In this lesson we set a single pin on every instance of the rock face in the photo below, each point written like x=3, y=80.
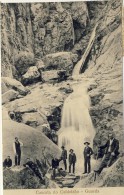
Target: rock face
x=16, y=34
x=50, y=75
x=105, y=67
x=9, y=83
x=32, y=139
x=32, y=119
x=35, y=109
x=60, y=61
x=110, y=177
x=80, y=17
x=31, y=76
x=52, y=27
x=42, y=28
x=9, y=96
x=23, y=61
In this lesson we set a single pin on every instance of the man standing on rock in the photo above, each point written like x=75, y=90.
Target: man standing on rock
x=17, y=151
x=72, y=160
x=111, y=153
x=87, y=157
x=64, y=157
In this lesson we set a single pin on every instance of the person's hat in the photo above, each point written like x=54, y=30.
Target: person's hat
x=62, y=147
x=87, y=143
x=87, y=140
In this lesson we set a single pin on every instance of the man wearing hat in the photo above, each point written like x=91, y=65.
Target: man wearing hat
x=64, y=157
x=72, y=160
x=111, y=153
x=87, y=154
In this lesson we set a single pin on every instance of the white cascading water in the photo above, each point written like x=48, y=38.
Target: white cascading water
x=76, y=123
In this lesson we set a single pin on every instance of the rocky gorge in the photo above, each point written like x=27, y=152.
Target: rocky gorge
x=41, y=45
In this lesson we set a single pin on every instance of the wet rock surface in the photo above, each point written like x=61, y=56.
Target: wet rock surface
x=110, y=177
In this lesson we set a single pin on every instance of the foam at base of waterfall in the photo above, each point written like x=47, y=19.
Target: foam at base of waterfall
x=72, y=139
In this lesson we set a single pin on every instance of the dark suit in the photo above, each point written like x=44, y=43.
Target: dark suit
x=55, y=165
x=7, y=163
x=114, y=146
x=109, y=159
x=87, y=154
x=72, y=161
x=33, y=166
x=64, y=157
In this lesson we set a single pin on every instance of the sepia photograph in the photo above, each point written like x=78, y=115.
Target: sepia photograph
x=62, y=95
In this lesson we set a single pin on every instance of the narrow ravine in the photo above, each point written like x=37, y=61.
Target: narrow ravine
x=79, y=65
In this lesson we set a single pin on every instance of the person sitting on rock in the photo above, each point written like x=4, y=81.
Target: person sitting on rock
x=72, y=160
x=33, y=166
x=55, y=166
x=111, y=153
x=7, y=162
x=87, y=157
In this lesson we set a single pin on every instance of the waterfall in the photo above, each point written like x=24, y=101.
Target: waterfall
x=79, y=65
x=76, y=124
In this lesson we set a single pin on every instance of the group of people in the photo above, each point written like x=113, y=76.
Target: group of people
x=72, y=160
x=111, y=152
x=17, y=152
x=110, y=155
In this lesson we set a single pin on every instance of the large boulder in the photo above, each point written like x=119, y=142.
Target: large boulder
x=54, y=76
x=60, y=61
x=9, y=83
x=31, y=76
x=23, y=60
x=36, y=144
x=50, y=75
x=33, y=119
x=9, y=96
